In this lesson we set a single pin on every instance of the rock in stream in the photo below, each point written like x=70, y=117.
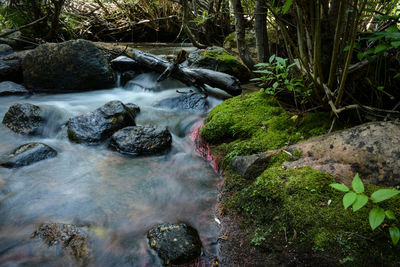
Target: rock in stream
x=23, y=118
x=175, y=243
x=27, y=154
x=100, y=124
x=138, y=140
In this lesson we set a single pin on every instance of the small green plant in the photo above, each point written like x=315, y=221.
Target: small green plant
x=356, y=198
x=276, y=78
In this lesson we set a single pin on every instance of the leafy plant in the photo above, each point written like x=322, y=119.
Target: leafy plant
x=276, y=78
x=356, y=198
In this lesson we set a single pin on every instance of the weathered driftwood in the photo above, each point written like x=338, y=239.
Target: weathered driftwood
x=189, y=76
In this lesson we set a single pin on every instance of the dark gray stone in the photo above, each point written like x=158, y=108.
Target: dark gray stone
x=124, y=63
x=175, y=243
x=192, y=102
x=126, y=76
x=5, y=50
x=75, y=65
x=138, y=140
x=98, y=125
x=24, y=118
x=27, y=154
x=11, y=66
x=12, y=88
x=251, y=166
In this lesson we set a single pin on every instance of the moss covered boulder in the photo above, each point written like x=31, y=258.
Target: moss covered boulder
x=218, y=59
x=293, y=215
x=24, y=118
x=75, y=65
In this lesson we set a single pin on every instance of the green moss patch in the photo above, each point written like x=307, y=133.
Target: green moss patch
x=294, y=211
x=252, y=123
x=221, y=55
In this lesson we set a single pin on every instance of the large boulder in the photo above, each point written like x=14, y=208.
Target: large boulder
x=191, y=102
x=138, y=140
x=75, y=65
x=175, y=243
x=371, y=149
x=12, y=88
x=27, y=154
x=218, y=59
x=100, y=124
x=71, y=238
x=24, y=118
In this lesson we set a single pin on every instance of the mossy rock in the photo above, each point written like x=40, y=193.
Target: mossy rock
x=218, y=59
x=292, y=210
x=253, y=123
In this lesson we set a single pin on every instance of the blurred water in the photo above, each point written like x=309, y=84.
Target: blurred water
x=96, y=187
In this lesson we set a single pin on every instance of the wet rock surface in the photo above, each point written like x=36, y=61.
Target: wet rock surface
x=191, y=102
x=12, y=88
x=75, y=65
x=371, y=149
x=138, y=140
x=124, y=63
x=175, y=243
x=27, y=154
x=23, y=118
x=98, y=125
x=11, y=66
x=72, y=239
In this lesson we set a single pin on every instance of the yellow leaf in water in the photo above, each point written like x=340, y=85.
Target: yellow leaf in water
x=294, y=118
x=99, y=232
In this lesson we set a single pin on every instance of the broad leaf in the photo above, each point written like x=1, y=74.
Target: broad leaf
x=390, y=215
x=287, y=6
x=348, y=199
x=360, y=202
x=394, y=234
x=376, y=217
x=395, y=44
x=271, y=58
x=340, y=187
x=357, y=184
x=380, y=48
x=383, y=194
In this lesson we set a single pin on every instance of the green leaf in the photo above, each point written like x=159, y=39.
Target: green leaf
x=380, y=48
x=383, y=194
x=271, y=58
x=376, y=217
x=347, y=48
x=357, y=184
x=348, y=199
x=397, y=76
x=360, y=202
x=395, y=44
x=275, y=85
x=390, y=215
x=394, y=234
x=340, y=187
x=287, y=6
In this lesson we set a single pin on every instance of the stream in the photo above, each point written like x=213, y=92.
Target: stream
x=116, y=197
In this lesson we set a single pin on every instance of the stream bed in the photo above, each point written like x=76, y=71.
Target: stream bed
x=117, y=198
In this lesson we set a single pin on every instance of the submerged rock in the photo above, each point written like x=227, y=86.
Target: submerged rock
x=72, y=239
x=175, y=243
x=23, y=118
x=141, y=140
x=27, y=154
x=218, y=59
x=192, y=102
x=75, y=65
x=12, y=88
x=98, y=125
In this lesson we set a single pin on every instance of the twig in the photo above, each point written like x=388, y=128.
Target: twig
x=22, y=27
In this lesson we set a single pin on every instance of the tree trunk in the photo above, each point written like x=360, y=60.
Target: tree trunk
x=241, y=34
x=260, y=27
x=58, y=4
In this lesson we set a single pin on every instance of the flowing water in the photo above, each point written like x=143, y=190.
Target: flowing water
x=118, y=198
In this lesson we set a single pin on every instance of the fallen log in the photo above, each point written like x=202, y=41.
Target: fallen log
x=189, y=76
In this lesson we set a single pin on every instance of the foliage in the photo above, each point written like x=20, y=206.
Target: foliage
x=357, y=199
x=277, y=77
